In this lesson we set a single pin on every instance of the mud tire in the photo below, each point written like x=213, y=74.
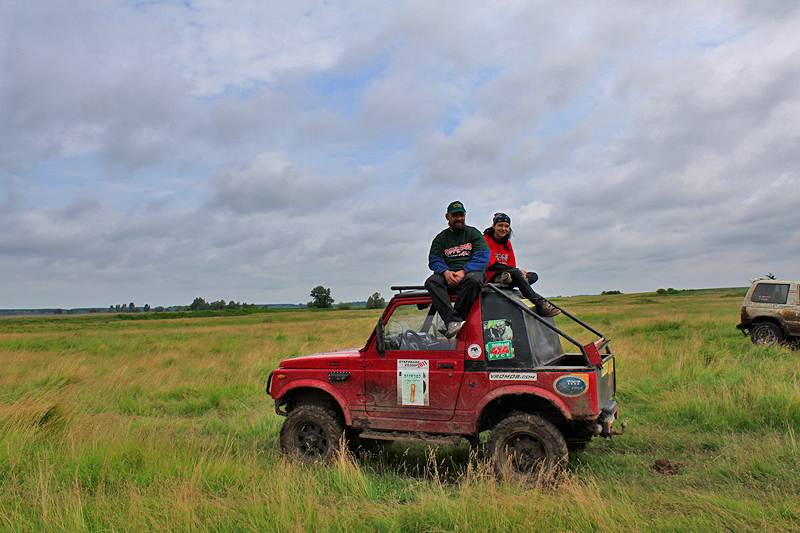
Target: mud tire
x=766, y=334
x=312, y=434
x=527, y=448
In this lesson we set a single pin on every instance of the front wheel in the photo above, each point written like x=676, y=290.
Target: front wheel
x=526, y=447
x=766, y=334
x=312, y=434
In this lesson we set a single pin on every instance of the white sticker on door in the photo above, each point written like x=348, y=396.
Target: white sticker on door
x=412, y=382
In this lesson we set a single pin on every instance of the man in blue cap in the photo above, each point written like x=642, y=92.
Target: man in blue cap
x=458, y=257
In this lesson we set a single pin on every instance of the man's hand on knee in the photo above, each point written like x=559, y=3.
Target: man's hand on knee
x=453, y=278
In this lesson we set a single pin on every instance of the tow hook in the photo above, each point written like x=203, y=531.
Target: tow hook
x=604, y=428
x=608, y=415
x=622, y=426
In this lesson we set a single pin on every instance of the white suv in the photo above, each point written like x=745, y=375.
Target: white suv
x=770, y=311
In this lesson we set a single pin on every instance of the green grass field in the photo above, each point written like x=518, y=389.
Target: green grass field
x=164, y=425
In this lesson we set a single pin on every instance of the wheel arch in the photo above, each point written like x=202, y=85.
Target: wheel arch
x=497, y=406
x=760, y=319
x=311, y=393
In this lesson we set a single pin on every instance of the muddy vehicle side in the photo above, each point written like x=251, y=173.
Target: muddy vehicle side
x=506, y=372
x=770, y=312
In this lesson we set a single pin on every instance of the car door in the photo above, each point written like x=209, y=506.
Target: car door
x=419, y=373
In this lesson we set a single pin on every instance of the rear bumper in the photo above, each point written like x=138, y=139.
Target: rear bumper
x=608, y=415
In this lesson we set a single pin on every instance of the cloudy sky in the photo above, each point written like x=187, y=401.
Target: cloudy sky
x=249, y=150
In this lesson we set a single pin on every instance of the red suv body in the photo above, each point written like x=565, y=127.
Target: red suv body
x=505, y=372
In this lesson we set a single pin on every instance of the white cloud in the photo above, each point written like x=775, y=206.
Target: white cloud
x=257, y=149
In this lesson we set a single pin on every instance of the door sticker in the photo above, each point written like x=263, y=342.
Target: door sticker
x=498, y=336
x=412, y=382
x=474, y=351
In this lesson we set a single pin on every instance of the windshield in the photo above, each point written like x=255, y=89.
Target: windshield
x=416, y=326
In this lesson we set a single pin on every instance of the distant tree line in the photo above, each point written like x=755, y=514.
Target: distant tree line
x=667, y=291
x=199, y=304
x=131, y=308
x=322, y=299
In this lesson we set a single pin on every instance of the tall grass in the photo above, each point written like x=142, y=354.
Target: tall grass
x=164, y=425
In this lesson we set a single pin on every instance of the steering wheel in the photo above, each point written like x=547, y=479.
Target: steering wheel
x=413, y=341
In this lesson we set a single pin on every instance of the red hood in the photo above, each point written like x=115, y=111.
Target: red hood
x=337, y=359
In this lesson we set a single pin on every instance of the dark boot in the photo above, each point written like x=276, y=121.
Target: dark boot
x=545, y=308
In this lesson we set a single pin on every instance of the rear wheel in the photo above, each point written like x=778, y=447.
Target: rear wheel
x=766, y=334
x=526, y=447
x=312, y=434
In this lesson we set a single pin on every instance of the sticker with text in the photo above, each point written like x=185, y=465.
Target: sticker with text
x=570, y=386
x=499, y=350
x=412, y=382
x=512, y=376
x=474, y=351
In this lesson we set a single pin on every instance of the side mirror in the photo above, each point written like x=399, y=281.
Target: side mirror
x=380, y=339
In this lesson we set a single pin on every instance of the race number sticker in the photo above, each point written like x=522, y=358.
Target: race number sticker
x=474, y=351
x=412, y=382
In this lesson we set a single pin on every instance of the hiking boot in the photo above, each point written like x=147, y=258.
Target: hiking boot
x=503, y=278
x=546, y=309
x=453, y=328
x=443, y=328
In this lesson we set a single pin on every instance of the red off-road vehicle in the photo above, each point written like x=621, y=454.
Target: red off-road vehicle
x=506, y=372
